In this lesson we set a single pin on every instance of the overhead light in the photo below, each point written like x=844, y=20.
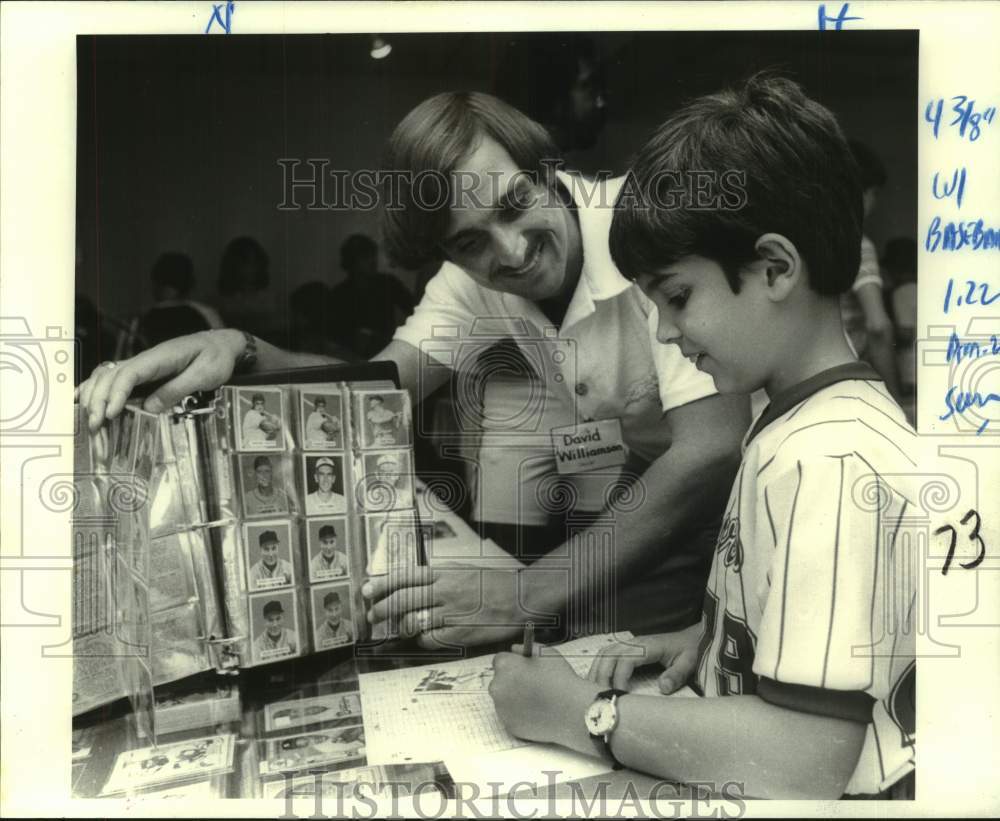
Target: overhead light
x=380, y=48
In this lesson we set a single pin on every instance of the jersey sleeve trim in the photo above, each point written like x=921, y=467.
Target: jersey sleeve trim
x=850, y=705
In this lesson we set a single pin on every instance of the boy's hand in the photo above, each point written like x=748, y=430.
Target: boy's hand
x=539, y=698
x=677, y=652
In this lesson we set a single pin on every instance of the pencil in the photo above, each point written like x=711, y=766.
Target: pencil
x=527, y=646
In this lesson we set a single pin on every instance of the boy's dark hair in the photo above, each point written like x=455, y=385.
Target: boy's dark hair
x=432, y=138
x=870, y=166
x=801, y=182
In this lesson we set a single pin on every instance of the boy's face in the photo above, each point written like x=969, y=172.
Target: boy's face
x=505, y=232
x=328, y=544
x=722, y=333
x=333, y=612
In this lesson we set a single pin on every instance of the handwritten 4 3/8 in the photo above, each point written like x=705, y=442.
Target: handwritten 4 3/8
x=969, y=121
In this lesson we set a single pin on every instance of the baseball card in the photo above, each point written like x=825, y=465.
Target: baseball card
x=300, y=752
x=180, y=761
x=270, y=552
x=259, y=418
x=303, y=712
x=392, y=541
x=274, y=626
x=328, y=549
x=321, y=417
x=332, y=619
x=382, y=419
x=323, y=480
x=266, y=487
x=386, y=480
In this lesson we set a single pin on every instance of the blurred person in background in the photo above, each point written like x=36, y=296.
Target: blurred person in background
x=244, y=277
x=368, y=306
x=899, y=264
x=173, y=312
x=866, y=322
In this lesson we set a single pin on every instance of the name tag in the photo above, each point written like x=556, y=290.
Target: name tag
x=588, y=446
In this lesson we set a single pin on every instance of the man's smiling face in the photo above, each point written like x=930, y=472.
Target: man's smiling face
x=506, y=231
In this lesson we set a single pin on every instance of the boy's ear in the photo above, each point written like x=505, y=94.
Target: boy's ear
x=778, y=259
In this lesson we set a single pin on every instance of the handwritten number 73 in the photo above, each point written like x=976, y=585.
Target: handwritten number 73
x=973, y=536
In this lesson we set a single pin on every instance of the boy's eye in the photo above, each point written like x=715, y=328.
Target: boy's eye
x=678, y=298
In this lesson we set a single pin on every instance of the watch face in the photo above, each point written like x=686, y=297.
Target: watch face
x=601, y=717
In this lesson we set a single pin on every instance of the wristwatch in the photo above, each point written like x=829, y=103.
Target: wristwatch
x=248, y=358
x=602, y=718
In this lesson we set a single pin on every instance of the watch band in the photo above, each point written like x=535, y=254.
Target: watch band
x=611, y=695
x=248, y=359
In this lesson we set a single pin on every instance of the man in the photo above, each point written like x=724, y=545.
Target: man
x=322, y=428
x=276, y=640
x=265, y=498
x=335, y=629
x=324, y=499
x=519, y=250
x=270, y=570
x=329, y=562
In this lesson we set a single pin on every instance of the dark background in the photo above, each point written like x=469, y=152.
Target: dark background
x=179, y=137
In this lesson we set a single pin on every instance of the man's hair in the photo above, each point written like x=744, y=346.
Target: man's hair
x=273, y=607
x=327, y=532
x=871, y=169
x=261, y=460
x=433, y=138
x=801, y=182
x=257, y=397
x=331, y=598
x=268, y=537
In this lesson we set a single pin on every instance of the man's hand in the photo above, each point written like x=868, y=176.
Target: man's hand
x=452, y=605
x=540, y=698
x=677, y=652
x=196, y=362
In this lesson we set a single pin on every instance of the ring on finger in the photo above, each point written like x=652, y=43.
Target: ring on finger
x=423, y=620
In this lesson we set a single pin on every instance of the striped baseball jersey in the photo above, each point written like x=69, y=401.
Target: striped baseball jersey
x=809, y=603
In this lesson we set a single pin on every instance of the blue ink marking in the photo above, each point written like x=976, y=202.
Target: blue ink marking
x=838, y=21
x=956, y=186
x=985, y=298
x=965, y=400
x=956, y=236
x=227, y=24
x=933, y=114
x=959, y=350
x=970, y=122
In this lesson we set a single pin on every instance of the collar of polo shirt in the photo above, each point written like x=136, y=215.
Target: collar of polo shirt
x=600, y=279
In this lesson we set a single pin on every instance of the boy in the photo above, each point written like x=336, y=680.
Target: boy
x=794, y=627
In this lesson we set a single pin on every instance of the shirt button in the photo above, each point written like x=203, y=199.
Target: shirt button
x=581, y=389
